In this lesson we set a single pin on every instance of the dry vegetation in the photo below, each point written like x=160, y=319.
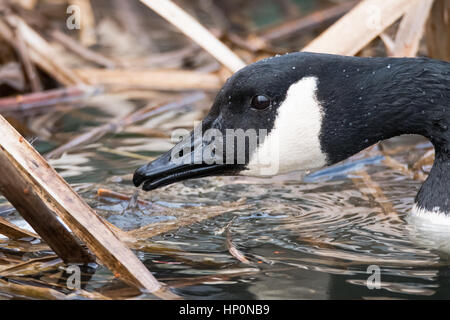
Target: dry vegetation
x=170, y=55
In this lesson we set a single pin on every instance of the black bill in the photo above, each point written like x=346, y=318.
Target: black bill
x=191, y=158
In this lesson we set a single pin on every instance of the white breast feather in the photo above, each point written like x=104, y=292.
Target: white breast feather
x=420, y=216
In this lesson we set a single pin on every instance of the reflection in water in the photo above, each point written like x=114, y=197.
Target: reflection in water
x=317, y=239
x=310, y=239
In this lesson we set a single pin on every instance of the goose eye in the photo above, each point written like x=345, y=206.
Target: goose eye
x=260, y=102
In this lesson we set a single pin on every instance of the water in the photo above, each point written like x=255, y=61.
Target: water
x=314, y=238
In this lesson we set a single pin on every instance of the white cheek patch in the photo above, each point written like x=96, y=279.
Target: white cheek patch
x=293, y=143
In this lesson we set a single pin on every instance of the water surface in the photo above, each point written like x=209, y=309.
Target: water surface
x=306, y=235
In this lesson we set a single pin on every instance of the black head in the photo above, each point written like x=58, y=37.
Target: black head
x=303, y=111
x=246, y=107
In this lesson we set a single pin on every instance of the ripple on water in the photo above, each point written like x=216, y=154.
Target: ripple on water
x=310, y=239
x=319, y=240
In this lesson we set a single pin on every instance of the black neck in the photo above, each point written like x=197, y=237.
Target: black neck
x=435, y=192
x=376, y=99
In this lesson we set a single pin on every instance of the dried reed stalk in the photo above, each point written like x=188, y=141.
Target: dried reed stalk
x=40, y=51
x=411, y=29
x=119, y=124
x=437, y=31
x=359, y=27
x=194, y=30
x=36, y=190
x=168, y=80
